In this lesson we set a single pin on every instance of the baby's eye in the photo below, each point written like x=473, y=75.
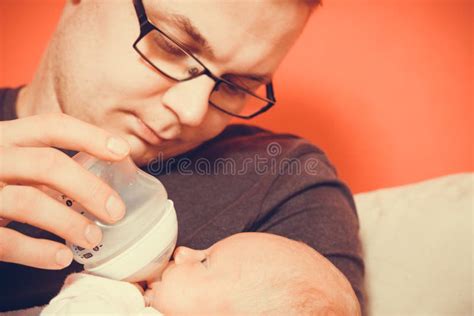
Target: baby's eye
x=205, y=262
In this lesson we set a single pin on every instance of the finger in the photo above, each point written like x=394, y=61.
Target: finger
x=58, y=171
x=39, y=253
x=63, y=131
x=31, y=206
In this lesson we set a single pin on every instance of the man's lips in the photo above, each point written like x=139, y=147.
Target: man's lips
x=146, y=133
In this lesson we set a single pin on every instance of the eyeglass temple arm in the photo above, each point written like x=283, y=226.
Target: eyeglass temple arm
x=270, y=92
x=145, y=26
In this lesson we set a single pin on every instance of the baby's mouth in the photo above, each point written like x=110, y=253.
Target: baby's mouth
x=143, y=285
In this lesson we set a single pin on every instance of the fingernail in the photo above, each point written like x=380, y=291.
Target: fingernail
x=63, y=257
x=115, y=208
x=118, y=146
x=93, y=234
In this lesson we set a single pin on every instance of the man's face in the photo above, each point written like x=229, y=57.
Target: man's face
x=98, y=76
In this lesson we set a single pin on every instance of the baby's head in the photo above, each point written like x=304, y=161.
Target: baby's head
x=250, y=274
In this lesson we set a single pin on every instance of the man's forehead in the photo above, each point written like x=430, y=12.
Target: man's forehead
x=178, y=25
x=262, y=19
x=226, y=28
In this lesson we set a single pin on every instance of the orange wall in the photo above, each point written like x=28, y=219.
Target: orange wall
x=384, y=87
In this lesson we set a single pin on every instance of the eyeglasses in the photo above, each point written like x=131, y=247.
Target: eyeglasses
x=240, y=97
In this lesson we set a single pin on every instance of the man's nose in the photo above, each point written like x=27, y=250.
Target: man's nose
x=187, y=255
x=189, y=100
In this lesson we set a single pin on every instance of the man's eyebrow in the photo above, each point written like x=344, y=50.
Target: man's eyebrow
x=183, y=23
x=260, y=78
x=264, y=79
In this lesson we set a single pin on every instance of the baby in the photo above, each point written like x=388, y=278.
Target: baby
x=244, y=274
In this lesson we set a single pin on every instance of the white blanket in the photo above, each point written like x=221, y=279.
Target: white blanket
x=93, y=295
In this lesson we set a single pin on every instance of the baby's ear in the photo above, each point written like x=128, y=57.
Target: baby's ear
x=71, y=279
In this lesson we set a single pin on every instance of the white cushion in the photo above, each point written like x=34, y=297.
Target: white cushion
x=418, y=247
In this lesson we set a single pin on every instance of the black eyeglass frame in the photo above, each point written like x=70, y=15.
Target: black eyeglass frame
x=146, y=26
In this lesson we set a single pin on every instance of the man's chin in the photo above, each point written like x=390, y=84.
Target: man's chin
x=140, y=161
x=143, y=158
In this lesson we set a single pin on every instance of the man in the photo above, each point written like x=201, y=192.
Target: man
x=160, y=81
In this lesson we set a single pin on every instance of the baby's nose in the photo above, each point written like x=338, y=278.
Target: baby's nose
x=187, y=255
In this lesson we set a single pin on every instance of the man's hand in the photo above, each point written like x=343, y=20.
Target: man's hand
x=28, y=161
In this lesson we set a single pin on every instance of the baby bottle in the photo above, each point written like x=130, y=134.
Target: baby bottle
x=139, y=245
